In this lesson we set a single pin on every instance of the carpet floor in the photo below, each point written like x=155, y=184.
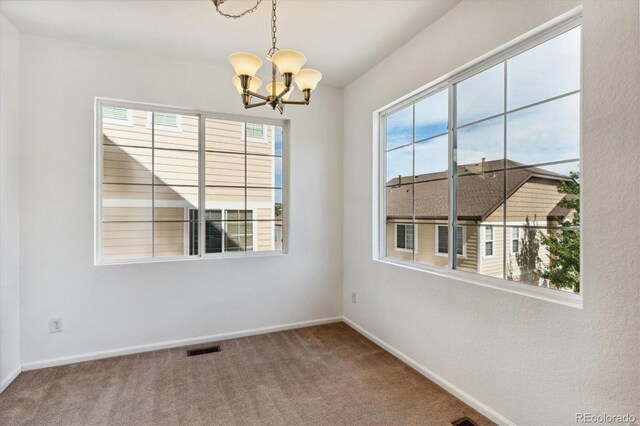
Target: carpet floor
x=321, y=375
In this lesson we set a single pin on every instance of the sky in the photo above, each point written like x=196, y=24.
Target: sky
x=548, y=132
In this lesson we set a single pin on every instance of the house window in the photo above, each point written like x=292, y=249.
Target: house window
x=164, y=121
x=254, y=132
x=515, y=240
x=488, y=241
x=159, y=193
x=404, y=237
x=117, y=115
x=498, y=142
x=442, y=240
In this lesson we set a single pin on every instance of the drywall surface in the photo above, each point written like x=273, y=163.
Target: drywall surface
x=110, y=307
x=9, y=201
x=531, y=361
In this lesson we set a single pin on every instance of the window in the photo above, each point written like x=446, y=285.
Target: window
x=515, y=240
x=442, y=240
x=488, y=241
x=158, y=193
x=164, y=121
x=117, y=115
x=495, y=144
x=404, y=237
x=254, y=132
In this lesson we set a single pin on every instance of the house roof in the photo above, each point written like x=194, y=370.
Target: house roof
x=481, y=190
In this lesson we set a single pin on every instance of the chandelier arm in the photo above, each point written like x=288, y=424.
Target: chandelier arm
x=295, y=102
x=257, y=95
x=259, y=104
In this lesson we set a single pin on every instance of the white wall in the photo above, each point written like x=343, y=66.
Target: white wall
x=9, y=201
x=532, y=361
x=111, y=307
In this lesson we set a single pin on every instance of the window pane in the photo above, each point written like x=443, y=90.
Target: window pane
x=266, y=202
x=169, y=238
x=268, y=235
x=467, y=247
x=443, y=239
x=126, y=165
x=545, y=133
x=480, y=196
x=538, y=195
x=125, y=128
x=225, y=169
x=277, y=150
x=224, y=135
x=396, y=248
x=432, y=115
x=399, y=202
x=255, y=130
x=560, y=258
x=400, y=128
x=545, y=71
x=175, y=167
x=175, y=131
x=431, y=156
x=400, y=165
x=426, y=252
x=126, y=241
x=261, y=141
x=126, y=203
x=481, y=141
x=524, y=264
x=487, y=258
x=264, y=171
x=480, y=96
x=216, y=197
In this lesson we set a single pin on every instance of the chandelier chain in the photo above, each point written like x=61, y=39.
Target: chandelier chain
x=274, y=28
x=217, y=3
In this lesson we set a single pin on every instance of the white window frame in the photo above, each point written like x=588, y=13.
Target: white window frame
x=176, y=129
x=415, y=238
x=485, y=240
x=99, y=201
x=264, y=139
x=127, y=122
x=464, y=242
x=514, y=238
x=545, y=32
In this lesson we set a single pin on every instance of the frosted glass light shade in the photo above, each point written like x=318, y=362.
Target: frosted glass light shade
x=254, y=84
x=279, y=88
x=307, y=79
x=288, y=60
x=245, y=63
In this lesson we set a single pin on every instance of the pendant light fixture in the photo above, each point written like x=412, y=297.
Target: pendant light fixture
x=288, y=62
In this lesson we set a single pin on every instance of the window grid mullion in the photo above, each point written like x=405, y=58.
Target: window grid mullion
x=504, y=183
x=453, y=146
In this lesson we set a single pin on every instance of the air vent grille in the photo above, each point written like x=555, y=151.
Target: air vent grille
x=202, y=351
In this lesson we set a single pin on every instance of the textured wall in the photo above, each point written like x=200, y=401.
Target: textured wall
x=9, y=200
x=532, y=361
x=115, y=306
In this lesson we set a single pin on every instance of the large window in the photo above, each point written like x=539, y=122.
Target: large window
x=167, y=177
x=488, y=161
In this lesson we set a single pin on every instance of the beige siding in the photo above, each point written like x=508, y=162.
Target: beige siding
x=534, y=200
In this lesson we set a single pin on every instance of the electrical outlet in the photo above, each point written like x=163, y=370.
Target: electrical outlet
x=55, y=325
x=353, y=297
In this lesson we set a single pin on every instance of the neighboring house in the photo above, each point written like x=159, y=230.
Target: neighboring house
x=130, y=166
x=532, y=198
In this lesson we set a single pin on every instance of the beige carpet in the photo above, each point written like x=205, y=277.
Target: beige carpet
x=326, y=375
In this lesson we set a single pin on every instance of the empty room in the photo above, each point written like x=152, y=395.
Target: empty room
x=319, y=212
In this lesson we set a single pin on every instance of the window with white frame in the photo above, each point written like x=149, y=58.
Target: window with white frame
x=117, y=115
x=494, y=144
x=254, y=132
x=405, y=238
x=515, y=240
x=442, y=240
x=158, y=193
x=164, y=121
x=488, y=241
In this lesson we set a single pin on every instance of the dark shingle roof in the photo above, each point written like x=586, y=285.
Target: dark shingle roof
x=480, y=190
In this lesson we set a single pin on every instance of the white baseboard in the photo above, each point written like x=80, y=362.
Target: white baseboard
x=440, y=381
x=172, y=344
x=10, y=378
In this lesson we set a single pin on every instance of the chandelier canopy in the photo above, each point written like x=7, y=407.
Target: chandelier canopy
x=288, y=62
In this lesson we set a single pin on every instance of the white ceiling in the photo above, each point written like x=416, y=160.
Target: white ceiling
x=341, y=38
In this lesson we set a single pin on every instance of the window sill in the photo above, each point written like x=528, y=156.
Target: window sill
x=228, y=255
x=550, y=295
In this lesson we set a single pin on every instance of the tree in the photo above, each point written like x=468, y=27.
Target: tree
x=527, y=257
x=278, y=209
x=563, y=270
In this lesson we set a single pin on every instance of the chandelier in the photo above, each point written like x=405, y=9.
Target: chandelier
x=288, y=62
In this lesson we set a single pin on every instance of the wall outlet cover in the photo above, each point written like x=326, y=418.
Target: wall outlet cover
x=55, y=325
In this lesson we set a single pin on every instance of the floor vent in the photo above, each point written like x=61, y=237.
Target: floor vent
x=465, y=421
x=202, y=351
